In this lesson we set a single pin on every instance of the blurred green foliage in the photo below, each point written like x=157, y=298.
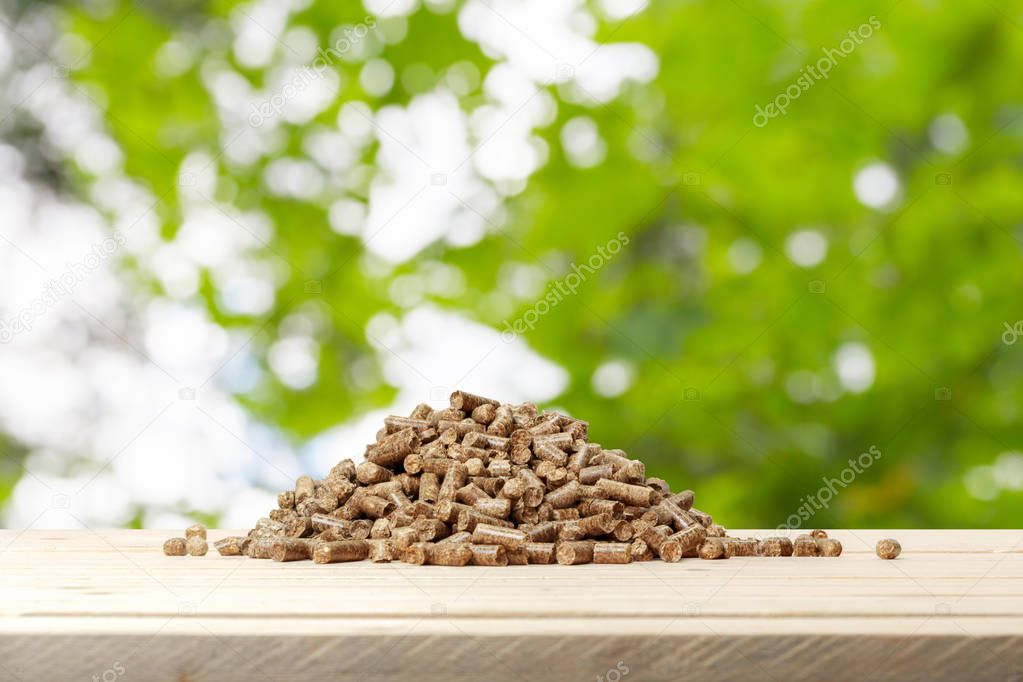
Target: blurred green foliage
x=926, y=287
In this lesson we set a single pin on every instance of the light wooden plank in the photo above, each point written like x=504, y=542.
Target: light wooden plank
x=73, y=604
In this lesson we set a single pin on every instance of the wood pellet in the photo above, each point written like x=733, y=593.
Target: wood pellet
x=485, y=483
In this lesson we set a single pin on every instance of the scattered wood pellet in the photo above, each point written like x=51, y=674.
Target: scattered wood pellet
x=776, y=546
x=229, y=546
x=888, y=548
x=829, y=547
x=805, y=545
x=196, y=546
x=175, y=547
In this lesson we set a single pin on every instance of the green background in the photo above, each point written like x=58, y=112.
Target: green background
x=927, y=286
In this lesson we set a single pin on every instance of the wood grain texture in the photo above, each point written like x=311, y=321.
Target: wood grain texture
x=108, y=605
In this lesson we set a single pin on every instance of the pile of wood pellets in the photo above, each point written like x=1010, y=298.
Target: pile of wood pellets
x=490, y=484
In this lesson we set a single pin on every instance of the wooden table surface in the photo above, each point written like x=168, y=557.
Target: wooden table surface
x=109, y=606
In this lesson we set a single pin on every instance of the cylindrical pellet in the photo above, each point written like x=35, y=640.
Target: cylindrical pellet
x=622, y=531
x=175, y=547
x=340, y=551
x=503, y=423
x=829, y=547
x=776, y=546
x=343, y=469
x=469, y=493
x=475, y=467
x=416, y=553
x=569, y=514
x=391, y=451
x=381, y=529
x=597, y=506
x=230, y=546
x=570, y=531
x=291, y=549
x=627, y=493
x=447, y=414
x=413, y=463
x=261, y=548
x=578, y=460
x=499, y=467
x=485, y=413
x=540, y=552
x=369, y=473
x=670, y=551
x=394, y=424
x=562, y=441
x=403, y=537
x=611, y=553
x=491, y=485
x=460, y=429
x=680, y=519
x=543, y=532
x=683, y=499
x=690, y=538
x=735, y=547
x=461, y=537
x=421, y=411
x=591, y=474
x=304, y=487
x=467, y=402
x=805, y=545
x=565, y=496
x=431, y=530
x=489, y=441
x=454, y=478
x=489, y=555
x=381, y=551
x=570, y=553
x=632, y=471
x=196, y=546
x=655, y=535
x=469, y=518
x=658, y=484
x=513, y=489
x=888, y=548
x=703, y=518
x=429, y=487
x=448, y=554
x=375, y=507
x=448, y=510
x=487, y=534
x=463, y=453
x=360, y=529
x=550, y=453
x=639, y=550
x=558, y=477
x=520, y=455
x=498, y=507
x=712, y=548
x=598, y=525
